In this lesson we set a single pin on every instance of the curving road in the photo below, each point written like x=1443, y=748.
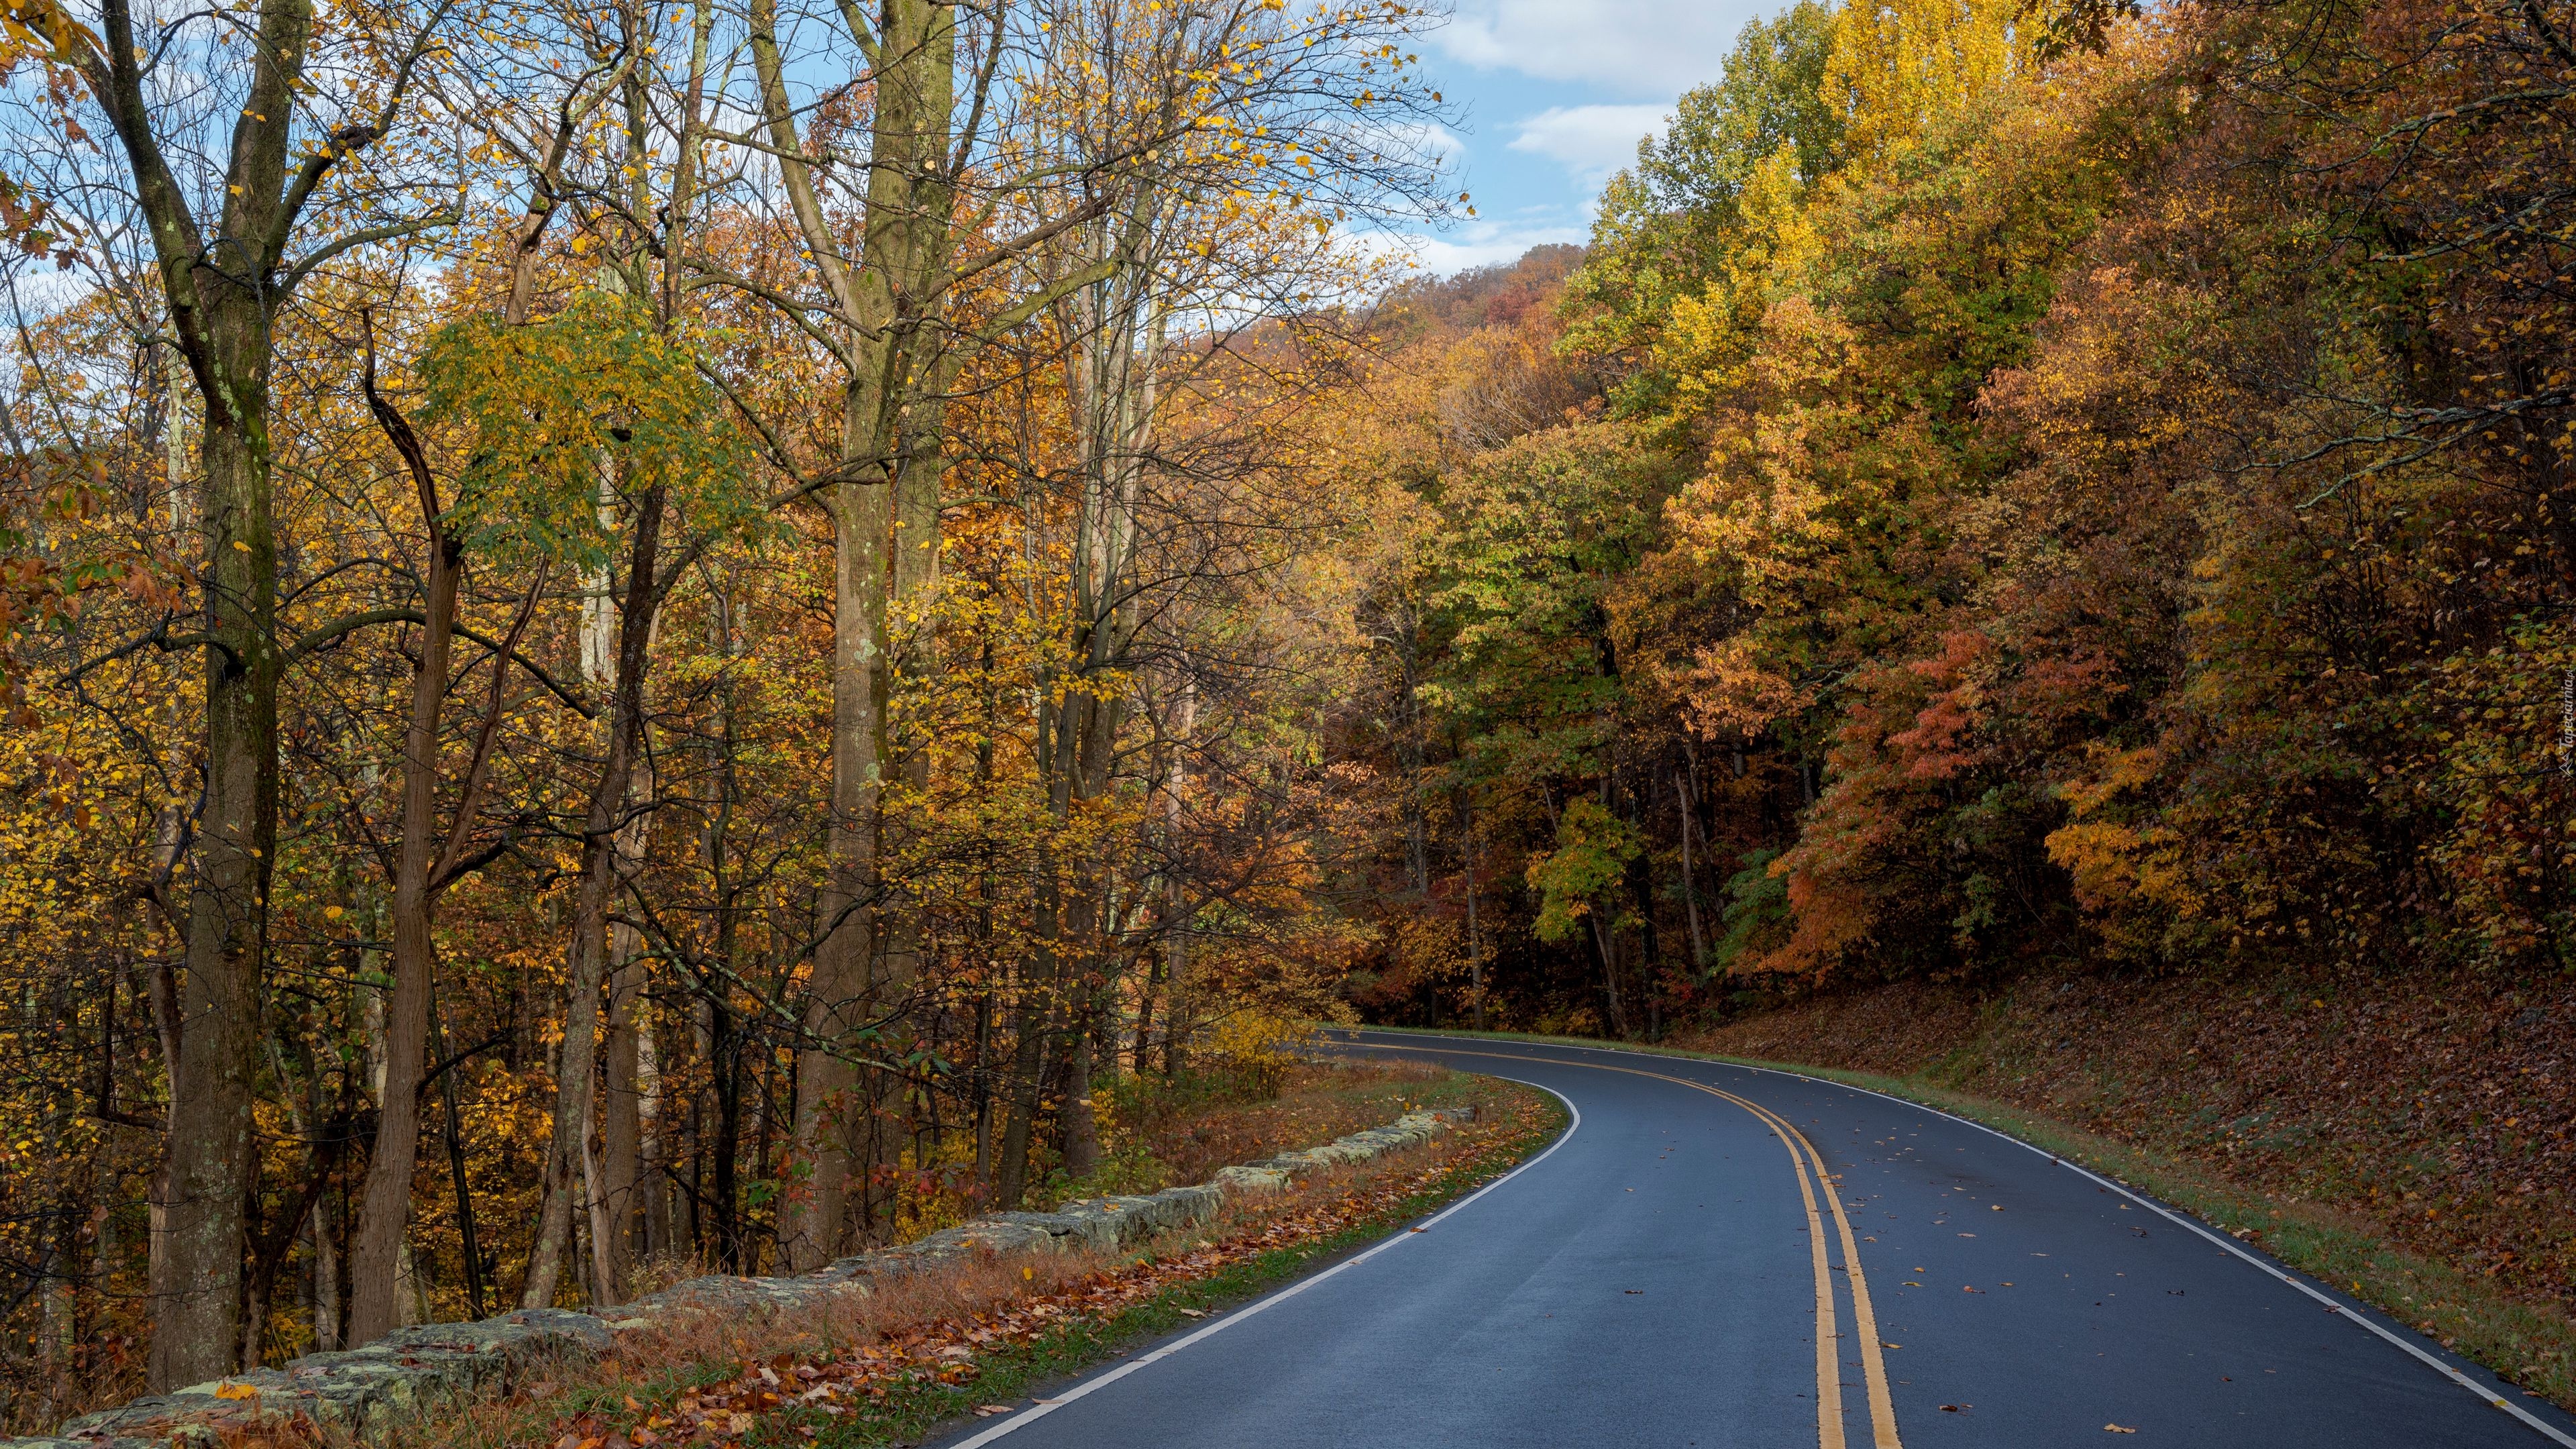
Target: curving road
x=1660, y=1276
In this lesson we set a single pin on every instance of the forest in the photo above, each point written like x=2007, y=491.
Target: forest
x=668, y=635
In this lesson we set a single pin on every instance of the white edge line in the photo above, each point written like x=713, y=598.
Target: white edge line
x=2494, y=1398
x=1036, y=1412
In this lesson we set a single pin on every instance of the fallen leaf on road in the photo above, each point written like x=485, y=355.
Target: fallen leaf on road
x=986, y=1411
x=2116, y=1429
x=1956, y=1408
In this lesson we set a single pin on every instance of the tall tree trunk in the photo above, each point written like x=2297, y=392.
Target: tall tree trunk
x=1081, y=1127
x=326, y=1276
x=724, y=1059
x=1690, y=877
x=1409, y=747
x=980, y=1088
x=1148, y=997
x=1475, y=933
x=1607, y=943
x=828, y=1113
x=621, y=1116
x=653, y=1168
x=1114, y=403
x=384, y=1209
x=223, y=283
x=1030, y=1029
x=616, y=1196
x=1094, y=989
x=577, y=1065
x=469, y=1241
x=198, y=1293
x=889, y=305
x=912, y=650
x=1178, y=911
x=986, y=994
x=424, y=865
x=1038, y=1049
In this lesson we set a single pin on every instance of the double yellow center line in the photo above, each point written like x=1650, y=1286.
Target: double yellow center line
x=1803, y=1160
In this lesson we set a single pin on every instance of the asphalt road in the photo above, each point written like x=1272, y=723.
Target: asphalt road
x=1660, y=1276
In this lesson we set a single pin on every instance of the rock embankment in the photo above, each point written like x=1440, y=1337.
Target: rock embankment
x=413, y=1370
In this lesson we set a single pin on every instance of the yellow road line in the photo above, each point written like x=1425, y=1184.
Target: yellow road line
x=1829, y=1361
x=1882, y=1405
x=1829, y=1392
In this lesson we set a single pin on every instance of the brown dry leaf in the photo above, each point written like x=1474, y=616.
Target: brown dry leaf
x=2117, y=1429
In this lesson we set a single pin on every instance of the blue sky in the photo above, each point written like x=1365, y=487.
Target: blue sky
x=1556, y=94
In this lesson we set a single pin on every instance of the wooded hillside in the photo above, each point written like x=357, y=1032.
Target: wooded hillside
x=2002, y=487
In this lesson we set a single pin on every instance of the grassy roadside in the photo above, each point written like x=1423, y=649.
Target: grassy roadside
x=1008, y=1377
x=2530, y=1346
x=1165, y=1134
x=902, y=1363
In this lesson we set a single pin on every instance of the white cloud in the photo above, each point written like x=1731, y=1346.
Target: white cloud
x=1590, y=142
x=1482, y=243
x=1630, y=47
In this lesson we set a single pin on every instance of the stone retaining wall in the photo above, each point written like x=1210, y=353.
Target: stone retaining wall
x=412, y=1370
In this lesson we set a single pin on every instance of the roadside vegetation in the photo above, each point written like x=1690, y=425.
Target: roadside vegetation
x=981, y=1337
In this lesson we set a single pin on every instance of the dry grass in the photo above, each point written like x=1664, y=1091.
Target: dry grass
x=1317, y=1102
